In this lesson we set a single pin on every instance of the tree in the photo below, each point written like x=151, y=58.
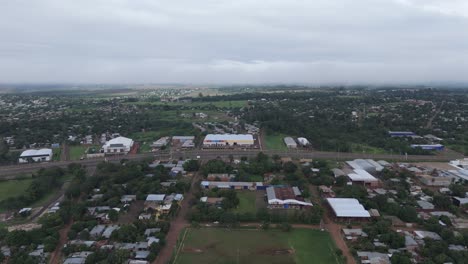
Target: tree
x=113, y=215
x=17, y=238
x=191, y=165
x=400, y=258
x=289, y=167
x=442, y=201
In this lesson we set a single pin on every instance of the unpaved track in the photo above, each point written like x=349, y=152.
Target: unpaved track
x=177, y=225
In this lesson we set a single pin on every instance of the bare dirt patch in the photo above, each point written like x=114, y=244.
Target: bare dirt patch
x=275, y=251
x=192, y=250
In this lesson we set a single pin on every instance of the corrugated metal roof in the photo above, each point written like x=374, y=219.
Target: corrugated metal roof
x=347, y=207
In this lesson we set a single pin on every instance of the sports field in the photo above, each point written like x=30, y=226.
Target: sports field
x=213, y=245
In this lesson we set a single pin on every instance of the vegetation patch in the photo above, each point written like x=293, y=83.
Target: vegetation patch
x=246, y=202
x=275, y=141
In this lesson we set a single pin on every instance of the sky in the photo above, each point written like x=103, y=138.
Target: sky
x=241, y=41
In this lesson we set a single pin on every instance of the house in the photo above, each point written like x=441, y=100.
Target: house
x=230, y=140
x=142, y=254
x=430, y=180
x=97, y=231
x=425, y=205
x=161, y=203
x=326, y=191
x=373, y=257
x=188, y=144
x=151, y=231
x=459, y=201
x=179, y=140
x=109, y=230
x=78, y=257
x=153, y=201
x=362, y=177
x=162, y=142
x=225, y=177
x=118, y=145
x=348, y=209
x=35, y=155
x=285, y=198
x=212, y=200
x=353, y=234
x=421, y=234
x=126, y=199
x=289, y=142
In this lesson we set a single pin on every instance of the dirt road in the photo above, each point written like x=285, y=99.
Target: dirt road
x=55, y=257
x=177, y=225
x=333, y=228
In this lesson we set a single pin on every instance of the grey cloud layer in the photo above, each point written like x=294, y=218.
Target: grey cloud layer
x=219, y=41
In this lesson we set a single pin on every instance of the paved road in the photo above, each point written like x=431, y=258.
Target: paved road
x=12, y=170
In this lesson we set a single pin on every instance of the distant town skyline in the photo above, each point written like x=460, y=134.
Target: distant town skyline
x=233, y=42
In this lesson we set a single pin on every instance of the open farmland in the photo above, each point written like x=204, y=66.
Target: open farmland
x=212, y=245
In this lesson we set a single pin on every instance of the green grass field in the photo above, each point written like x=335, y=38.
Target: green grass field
x=56, y=152
x=275, y=142
x=76, y=152
x=362, y=148
x=13, y=188
x=246, y=202
x=213, y=245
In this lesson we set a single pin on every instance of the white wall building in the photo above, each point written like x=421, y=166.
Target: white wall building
x=213, y=140
x=118, y=145
x=303, y=141
x=290, y=143
x=36, y=155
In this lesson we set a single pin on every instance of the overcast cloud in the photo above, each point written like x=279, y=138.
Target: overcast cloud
x=240, y=41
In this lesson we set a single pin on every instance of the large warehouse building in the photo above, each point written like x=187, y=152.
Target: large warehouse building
x=219, y=140
x=35, y=155
x=348, y=208
x=118, y=145
x=285, y=197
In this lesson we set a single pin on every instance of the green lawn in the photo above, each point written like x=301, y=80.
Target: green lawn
x=362, y=148
x=275, y=142
x=246, y=202
x=56, y=152
x=213, y=245
x=76, y=152
x=12, y=188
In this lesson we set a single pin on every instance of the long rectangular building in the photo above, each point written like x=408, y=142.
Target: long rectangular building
x=233, y=185
x=348, y=208
x=285, y=197
x=218, y=140
x=35, y=155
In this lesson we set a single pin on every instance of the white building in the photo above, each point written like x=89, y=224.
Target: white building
x=303, y=141
x=118, y=145
x=36, y=155
x=214, y=140
x=290, y=143
x=348, y=208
